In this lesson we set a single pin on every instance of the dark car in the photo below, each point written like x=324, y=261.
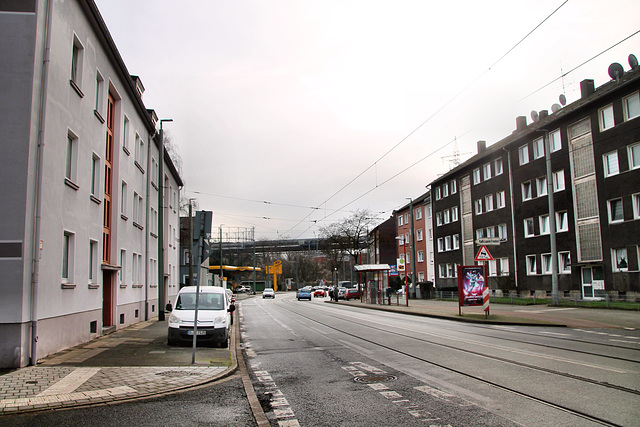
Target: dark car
x=304, y=293
x=352, y=293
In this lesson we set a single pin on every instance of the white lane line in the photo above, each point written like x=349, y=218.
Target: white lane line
x=71, y=382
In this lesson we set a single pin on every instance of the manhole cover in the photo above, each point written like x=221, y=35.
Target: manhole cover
x=375, y=378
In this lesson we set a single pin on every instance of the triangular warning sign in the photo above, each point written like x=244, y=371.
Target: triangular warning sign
x=483, y=254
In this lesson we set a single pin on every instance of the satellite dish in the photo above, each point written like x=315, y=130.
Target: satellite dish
x=555, y=107
x=534, y=116
x=633, y=61
x=615, y=71
x=563, y=99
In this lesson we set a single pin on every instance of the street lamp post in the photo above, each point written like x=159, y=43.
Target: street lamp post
x=161, y=295
x=413, y=248
x=406, y=284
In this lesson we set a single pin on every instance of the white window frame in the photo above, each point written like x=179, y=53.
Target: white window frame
x=529, y=231
x=502, y=231
x=610, y=164
x=617, y=255
x=558, y=181
x=93, y=262
x=420, y=256
x=527, y=191
x=456, y=241
x=488, y=203
x=123, y=199
x=68, y=257
x=562, y=221
x=478, y=207
x=438, y=193
x=541, y=186
x=544, y=224
x=445, y=190
x=77, y=60
x=419, y=235
x=555, y=141
x=500, y=200
x=631, y=106
x=497, y=167
x=438, y=218
x=123, y=267
x=486, y=171
x=606, y=118
x=99, y=101
x=446, y=216
x=538, y=148
x=610, y=209
x=454, y=187
x=454, y=214
x=546, y=263
x=634, y=156
x=125, y=134
x=523, y=154
x=440, y=244
x=95, y=175
x=418, y=213
x=71, y=159
x=635, y=201
x=564, y=262
x=476, y=176
x=400, y=221
x=531, y=266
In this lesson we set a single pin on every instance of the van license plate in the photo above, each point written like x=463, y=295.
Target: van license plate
x=199, y=332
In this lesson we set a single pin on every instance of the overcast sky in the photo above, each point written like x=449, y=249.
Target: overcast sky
x=278, y=105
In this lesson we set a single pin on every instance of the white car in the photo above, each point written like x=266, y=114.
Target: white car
x=214, y=316
x=268, y=293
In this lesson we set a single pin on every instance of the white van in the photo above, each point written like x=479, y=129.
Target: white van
x=214, y=316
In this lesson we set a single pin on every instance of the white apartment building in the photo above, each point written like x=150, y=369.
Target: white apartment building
x=81, y=176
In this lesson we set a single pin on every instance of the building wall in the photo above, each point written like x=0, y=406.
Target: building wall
x=70, y=310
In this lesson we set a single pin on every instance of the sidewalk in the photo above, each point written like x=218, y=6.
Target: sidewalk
x=136, y=362
x=131, y=363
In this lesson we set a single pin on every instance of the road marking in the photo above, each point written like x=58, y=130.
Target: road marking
x=279, y=403
x=625, y=342
x=71, y=382
x=545, y=310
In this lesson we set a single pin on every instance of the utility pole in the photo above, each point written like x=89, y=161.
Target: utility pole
x=552, y=221
x=190, y=243
x=413, y=247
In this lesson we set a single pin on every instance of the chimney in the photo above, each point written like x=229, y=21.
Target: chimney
x=521, y=123
x=543, y=114
x=587, y=87
x=482, y=146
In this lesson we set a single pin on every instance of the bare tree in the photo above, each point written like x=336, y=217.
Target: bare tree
x=349, y=236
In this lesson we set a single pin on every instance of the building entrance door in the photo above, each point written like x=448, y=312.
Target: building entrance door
x=592, y=282
x=107, y=298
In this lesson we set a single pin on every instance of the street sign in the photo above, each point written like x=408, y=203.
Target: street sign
x=401, y=264
x=483, y=254
x=488, y=241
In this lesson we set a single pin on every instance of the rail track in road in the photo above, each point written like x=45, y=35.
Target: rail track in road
x=290, y=307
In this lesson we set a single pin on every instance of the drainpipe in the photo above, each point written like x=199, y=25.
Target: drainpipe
x=35, y=276
x=146, y=240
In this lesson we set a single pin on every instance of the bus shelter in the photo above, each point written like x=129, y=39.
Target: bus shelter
x=376, y=279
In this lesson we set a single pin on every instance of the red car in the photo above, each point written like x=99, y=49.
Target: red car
x=352, y=294
x=318, y=293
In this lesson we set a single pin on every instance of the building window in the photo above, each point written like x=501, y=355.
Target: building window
x=541, y=186
x=454, y=214
x=154, y=221
x=447, y=216
x=136, y=208
x=67, y=257
x=454, y=187
x=140, y=152
x=523, y=154
x=95, y=175
x=406, y=216
x=438, y=218
x=123, y=267
x=71, y=168
x=564, y=262
x=456, y=241
x=99, y=95
x=93, y=261
x=488, y=203
x=123, y=200
x=526, y=190
x=125, y=135
x=634, y=156
x=438, y=193
x=635, y=200
x=544, y=224
x=619, y=259
x=502, y=231
x=546, y=263
x=531, y=265
x=555, y=141
x=615, y=210
x=529, y=230
x=631, y=106
x=499, y=267
x=606, y=118
x=479, y=206
x=445, y=190
x=476, y=176
x=440, y=244
x=400, y=222
x=486, y=171
x=538, y=148
x=76, y=62
x=447, y=243
x=497, y=167
x=420, y=256
x=558, y=181
x=419, y=235
x=610, y=164
x=500, y=201
x=561, y=221
x=418, y=213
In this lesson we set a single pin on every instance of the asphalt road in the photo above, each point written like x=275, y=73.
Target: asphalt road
x=317, y=364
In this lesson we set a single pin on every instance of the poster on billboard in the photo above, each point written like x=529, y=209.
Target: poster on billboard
x=471, y=283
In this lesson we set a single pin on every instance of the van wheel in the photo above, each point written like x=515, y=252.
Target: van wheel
x=224, y=344
x=171, y=342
